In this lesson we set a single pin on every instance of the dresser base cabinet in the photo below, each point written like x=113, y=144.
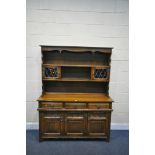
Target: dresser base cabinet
x=66, y=124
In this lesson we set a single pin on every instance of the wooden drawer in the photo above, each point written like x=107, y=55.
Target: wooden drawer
x=75, y=105
x=99, y=105
x=53, y=105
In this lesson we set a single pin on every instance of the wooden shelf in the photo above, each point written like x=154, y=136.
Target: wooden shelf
x=74, y=63
x=75, y=97
x=74, y=79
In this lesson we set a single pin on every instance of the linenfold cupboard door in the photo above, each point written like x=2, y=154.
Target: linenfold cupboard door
x=75, y=124
x=51, y=124
x=98, y=124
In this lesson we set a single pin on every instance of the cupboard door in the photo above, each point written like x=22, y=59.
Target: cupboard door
x=75, y=124
x=97, y=124
x=51, y=124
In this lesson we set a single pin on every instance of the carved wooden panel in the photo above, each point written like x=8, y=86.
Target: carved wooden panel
x=51, y=124
x=75, y=124
x=51, y=72
x=97, y=124
x=100, y=73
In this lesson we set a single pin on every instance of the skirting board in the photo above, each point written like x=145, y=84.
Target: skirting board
x=114, y=126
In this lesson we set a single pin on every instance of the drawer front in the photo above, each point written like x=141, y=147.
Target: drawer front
x=53, y=105
x=75, y=105
x=98, y=105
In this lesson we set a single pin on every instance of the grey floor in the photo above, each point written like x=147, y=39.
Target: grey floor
x=118, y=145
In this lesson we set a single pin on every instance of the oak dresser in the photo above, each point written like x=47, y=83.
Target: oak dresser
x=75, y=101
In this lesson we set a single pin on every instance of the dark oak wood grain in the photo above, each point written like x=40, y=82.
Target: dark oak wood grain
x=75, y=97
